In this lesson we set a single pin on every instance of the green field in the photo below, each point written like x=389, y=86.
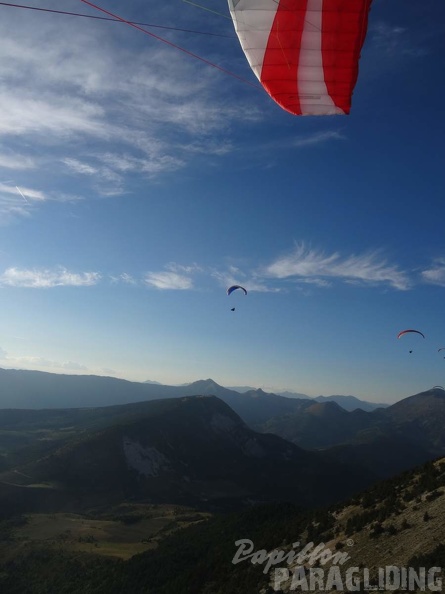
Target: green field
x=122, y=532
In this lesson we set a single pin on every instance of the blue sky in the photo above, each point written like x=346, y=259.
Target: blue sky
x=138, y=183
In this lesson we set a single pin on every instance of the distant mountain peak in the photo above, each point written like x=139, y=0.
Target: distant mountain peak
x=351, y=403
x=208, y=384
x=327, y=407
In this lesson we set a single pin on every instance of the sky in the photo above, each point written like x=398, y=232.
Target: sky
x=138, y=182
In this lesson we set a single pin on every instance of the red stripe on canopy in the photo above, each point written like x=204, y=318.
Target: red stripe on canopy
x=280, y=66
x=343, y=32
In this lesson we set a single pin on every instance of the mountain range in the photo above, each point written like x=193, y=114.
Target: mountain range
x=383, y=441
x=190, y=450
x=37, y=389
x=265, y=466
x=349, y=403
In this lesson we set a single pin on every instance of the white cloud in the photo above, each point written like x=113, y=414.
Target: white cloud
x=57, y=118
x=16, y=161
x=13, y=203
x=436, y=274
x=43, y=278
x=176, y=276
x=110, y=104
x=235, y=276
x=168, y=280
x=18, y=193
x=309, y=264
x=72, y=365
x=124, y=277
x=35, y=362
x=79, y=167
x=260, y=286
x=3, y=354
x=21, y=200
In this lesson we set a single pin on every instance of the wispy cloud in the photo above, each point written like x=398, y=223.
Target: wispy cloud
x=79, y=167
x=30, y=193
x=19, y=201
x=303, y=265
x=176, y=276
x=57, y=118
x=14, y=360
x=43, y=278
x=16, y=161
x=310, y=140
x=16, y=202
x=436, y=274
x=125, y=278
x=318, y=138
x=309, y=265
x=168, y=280
x=251, y=281
x=73, y=366
x=106, y=181
x=394, y=41
x=106, y=108
x=37, y=362
x=181, y=268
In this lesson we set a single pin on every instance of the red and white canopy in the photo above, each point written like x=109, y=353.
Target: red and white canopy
x=304, y=52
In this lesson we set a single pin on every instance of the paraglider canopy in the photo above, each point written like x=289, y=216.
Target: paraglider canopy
x=305, y=53
x=403, y=332
x=400, y=334
x=234, y=288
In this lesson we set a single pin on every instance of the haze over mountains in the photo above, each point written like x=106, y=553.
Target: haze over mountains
x=38, y=389
x=347, y=402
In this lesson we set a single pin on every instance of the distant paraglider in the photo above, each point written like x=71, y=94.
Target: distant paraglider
x=400, y=334
x=403, y=332
x=234, y=288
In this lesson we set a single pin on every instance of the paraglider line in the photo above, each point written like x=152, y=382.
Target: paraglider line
x=207, y=9
x=281, y=47
x=277, y=2
x=171, y=44
x=99, y=18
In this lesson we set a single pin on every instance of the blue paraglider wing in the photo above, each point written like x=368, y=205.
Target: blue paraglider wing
x=234, y=288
